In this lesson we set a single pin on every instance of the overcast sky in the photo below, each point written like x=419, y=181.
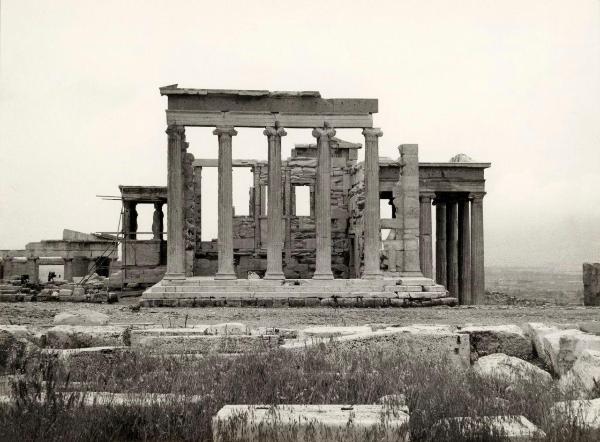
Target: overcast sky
x=512, y=82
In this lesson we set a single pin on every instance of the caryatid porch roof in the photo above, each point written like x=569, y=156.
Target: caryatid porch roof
x=261, y=108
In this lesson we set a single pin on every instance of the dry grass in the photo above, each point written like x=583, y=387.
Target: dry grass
x=434, y=390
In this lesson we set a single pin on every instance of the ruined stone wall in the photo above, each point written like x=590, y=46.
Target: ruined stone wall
x=591, y=284
x=300, y=237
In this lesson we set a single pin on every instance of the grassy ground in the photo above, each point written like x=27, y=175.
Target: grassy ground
x=43, y=313
x=434, y=390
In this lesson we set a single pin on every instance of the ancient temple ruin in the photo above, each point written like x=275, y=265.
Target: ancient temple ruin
x=334, y=255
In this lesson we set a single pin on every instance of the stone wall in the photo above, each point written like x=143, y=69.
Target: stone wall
x=300, y=237
x=591, y=284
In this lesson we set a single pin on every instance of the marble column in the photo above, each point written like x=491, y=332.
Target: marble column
x=175, y=203
x=372, y=222
x=452, y=247
x=464, y=253
x=158, y=221
x=477, y=255
x=323, y=203
x=225, y=216
x=441, y=261
x=34, y=265
x=257, y=206
x=409, y=180
x=425, y=234
x=68, y=269
x=290, y=204
x=130, y=219
x=274, y=200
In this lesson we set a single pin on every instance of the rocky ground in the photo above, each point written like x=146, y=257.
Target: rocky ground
x=38, y=313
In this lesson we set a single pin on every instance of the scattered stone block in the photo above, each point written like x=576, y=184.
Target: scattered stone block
x=509, y=369
x=511, y=428
x=559, y=349
x=582, y=413
x=592, y=327
x=310, y=422
x=429, y=341
x=584, y=376
x=81, y=317
x=330, y=331
x=490, y=339
x=80, y=336
x=228, y=328
x=536, y=332
x=178, y=344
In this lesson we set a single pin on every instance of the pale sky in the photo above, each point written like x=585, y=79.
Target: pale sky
x=513, y=82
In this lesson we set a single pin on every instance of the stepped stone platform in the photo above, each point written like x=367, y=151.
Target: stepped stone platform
x=210, y=292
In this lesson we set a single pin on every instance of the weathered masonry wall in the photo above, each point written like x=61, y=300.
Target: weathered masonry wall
x=250, y=232
x=78, y=252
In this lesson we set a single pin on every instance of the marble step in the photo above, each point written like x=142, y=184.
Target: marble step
x=293, y=294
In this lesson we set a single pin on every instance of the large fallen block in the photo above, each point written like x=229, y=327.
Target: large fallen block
x=81, y=317
x=536, y=332
x=581, y=413
x=321, y=423
x=584, y=376
x=507, y=339
x=511, y=428
x=413, y=341
x=571, y=348
x=332, y=331
x=80, y=336
x=510, y=369
x=199, y=343
x=103, y=399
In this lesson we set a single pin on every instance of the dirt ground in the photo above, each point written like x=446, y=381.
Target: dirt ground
x=40, y=314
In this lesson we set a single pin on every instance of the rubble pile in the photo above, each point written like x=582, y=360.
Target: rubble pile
x=88, y=289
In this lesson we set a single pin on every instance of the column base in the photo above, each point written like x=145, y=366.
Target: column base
x=225, y=276
x=377, y=275
x=274, y=275
x=171, y=276
x=323, y=276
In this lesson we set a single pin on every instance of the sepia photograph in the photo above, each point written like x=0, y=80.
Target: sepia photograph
x=300, y=221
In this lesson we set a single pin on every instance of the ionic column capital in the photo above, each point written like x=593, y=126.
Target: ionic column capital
x=476, y=195
x=426, y=196
x=271, y=131
x=372, y=132
x=325, y=131
x=176, y=130
x=225, y=131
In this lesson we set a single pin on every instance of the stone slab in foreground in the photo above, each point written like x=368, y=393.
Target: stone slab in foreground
x=311, y=423
x=511, y=428
x=206, y=343
x=413, y=341
x=583, y=413
x=508, y=339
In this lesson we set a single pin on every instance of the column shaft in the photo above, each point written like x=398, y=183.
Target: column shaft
x=257, y=208
x=409, y=180
x=441, y=263
x=372, y=222
x=157, y=221
x=175, y=204
x=464, y=253
x=225, y=268
x=477, y=255
x=274, y=200
x=425, y=245
x=323, y=203
x=452, y=247
x=68, y=269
